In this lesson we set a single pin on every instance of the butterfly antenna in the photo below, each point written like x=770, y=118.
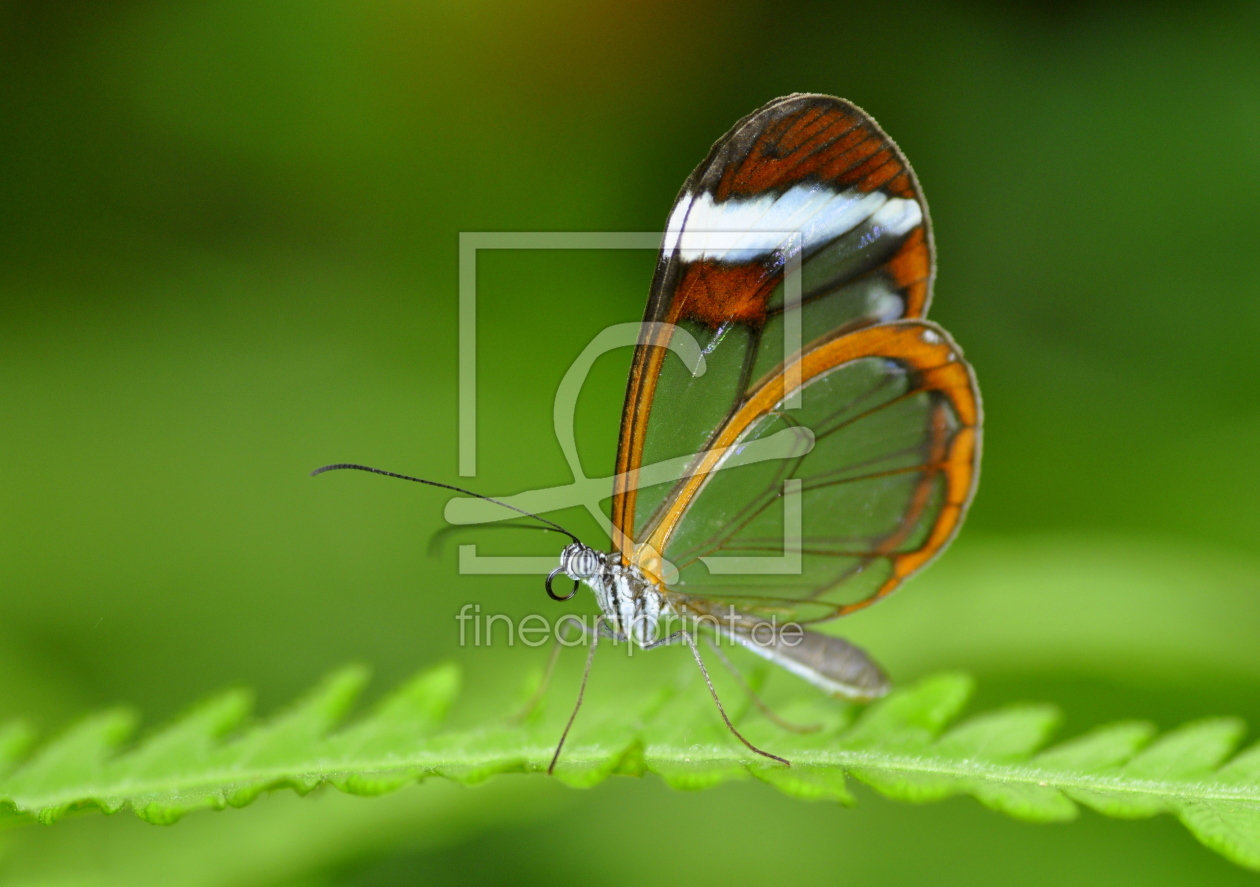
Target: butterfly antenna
x=438, y=540
x=342, y=465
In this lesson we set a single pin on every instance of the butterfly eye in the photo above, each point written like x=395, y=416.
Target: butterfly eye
x=578, y=561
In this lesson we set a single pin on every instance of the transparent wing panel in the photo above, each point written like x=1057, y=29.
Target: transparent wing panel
x=689, y=408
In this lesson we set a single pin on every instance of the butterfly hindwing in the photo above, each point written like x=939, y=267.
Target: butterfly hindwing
x=895, y=420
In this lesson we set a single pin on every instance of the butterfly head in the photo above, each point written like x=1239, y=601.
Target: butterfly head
x=579, y=562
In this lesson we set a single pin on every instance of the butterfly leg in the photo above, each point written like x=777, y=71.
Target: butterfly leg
x=765, y=709
x=676, y=637
x=695, y=651
x=541, y=690
x=586, y=673
x=548, y=670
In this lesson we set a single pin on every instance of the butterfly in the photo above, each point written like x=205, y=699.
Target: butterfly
x=798, y=258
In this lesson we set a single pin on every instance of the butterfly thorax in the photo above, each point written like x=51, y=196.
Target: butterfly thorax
x=631, y=603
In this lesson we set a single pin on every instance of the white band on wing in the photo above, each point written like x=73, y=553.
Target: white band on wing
x=740, y=230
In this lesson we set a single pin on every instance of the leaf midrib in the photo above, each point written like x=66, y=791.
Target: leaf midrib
x=535, y=758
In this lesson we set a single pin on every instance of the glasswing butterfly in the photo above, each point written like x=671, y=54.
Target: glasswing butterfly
x=799, y=257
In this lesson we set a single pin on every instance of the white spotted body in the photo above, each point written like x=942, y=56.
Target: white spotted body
x=633, y=607
x=632, y=604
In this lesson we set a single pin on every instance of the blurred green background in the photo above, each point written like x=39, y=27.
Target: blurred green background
x=228, y=254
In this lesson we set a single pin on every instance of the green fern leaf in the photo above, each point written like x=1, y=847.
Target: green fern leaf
x=909, y=747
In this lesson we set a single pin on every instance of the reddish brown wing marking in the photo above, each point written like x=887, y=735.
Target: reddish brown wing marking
x=807, y=137
x=791, y=140
x=715, y=292
x=939, y=368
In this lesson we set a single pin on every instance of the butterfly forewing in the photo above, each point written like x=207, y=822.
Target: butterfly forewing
x=809, y=177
